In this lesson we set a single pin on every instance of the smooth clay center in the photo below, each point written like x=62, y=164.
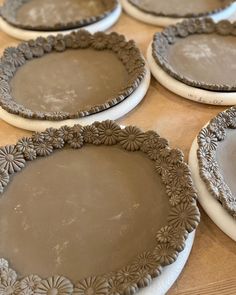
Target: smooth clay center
x=69, y=81
x=180, y=7
x=205, y=58
x=53, y=12
x=81, y=212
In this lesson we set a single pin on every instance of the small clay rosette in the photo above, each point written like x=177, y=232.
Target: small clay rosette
x=216, y=157
x=198, y=53
x=76, y=200
x=69, y=77
x=180, y=8
x=54, y=15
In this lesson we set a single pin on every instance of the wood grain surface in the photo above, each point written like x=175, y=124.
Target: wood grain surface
x=211, y=268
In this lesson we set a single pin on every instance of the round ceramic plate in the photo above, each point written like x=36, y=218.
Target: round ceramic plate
x=177, y=57
x=85, y=217
x=212, y=170
x=164, y=21
x=24, y=34
x=100, y=77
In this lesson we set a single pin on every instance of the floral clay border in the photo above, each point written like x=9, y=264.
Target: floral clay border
x=10, y=7
x=169, y=163
x=15, y=57
x=175, y=15
x=208, y=140
x=163, y=41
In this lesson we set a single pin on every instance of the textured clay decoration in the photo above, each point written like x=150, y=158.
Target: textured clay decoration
x=184, y=49
x=169, y=241
x=123, y=53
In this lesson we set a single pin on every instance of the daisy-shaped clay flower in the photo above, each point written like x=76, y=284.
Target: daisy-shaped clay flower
x=9, y=287
x=83, y=38
x=185, y=215
x=99, y=40
x=175, y=200
x=126, y=274
x=11, y=159
x=162, y=165
x=131, y=138
x=14, y=56
x=145, y=261
x=165, y=254
x=92, y=285
x=114, y=39
x=180, y=173
x=67, y=133
x=108, y=132
x=207, y=140
x=4, y=177
x=55, y=285
x=76, y=142
x=30, y=284
x=24, y=144
x=43, y=148
x=175, y=156
x=164, y=235
x=25, y=50
x=90, y=134
x=30, y=154
x=59, y=45
x=114, y=286
x=144, y=279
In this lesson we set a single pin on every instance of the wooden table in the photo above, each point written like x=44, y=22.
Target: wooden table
x=211, y=268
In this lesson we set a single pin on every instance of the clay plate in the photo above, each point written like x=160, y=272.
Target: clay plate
x=216, y=156
x=54, y=15
x=78, y=203
x=181, y=8
x=198, y=53
x=68, y=77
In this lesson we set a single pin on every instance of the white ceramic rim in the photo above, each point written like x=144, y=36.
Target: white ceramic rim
x=166, y=21
x=212, y=207
x=112, y=113
x=186, y=91
x=26, y=35
x=170, y=274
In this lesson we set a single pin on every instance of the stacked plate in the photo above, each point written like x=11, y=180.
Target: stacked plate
x=32, y=18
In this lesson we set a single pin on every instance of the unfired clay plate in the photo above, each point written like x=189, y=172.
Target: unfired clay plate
x=73, y=199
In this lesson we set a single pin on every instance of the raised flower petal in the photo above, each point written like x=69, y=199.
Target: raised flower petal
x=131, y=138
x=24, y=144
x=30, y=154
x=30, y=284
x=4, y=177
x=165, y=254
x=185, y=215
x=207, y=139
x=14, y=56
x=43, y=148
x=99, y=41
x=10, y=288
x=145, y=261
x=108, y=132
x=90, y=134
x=92, y=285
x=11, y=159
x=54, y=285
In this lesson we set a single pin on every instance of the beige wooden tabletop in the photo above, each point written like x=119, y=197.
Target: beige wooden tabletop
x=211, y=268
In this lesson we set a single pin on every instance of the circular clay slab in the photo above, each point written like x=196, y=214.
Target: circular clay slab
x=84, y=215
x=184, y=50
x=55, y=15
x=214, y=152
x=164, y=13
x=70, y=77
